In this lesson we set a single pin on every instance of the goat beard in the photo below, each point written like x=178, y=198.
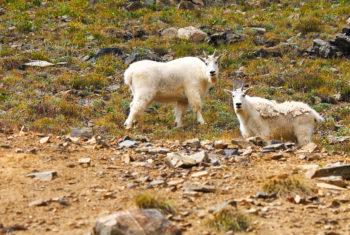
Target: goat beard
x=212, y=79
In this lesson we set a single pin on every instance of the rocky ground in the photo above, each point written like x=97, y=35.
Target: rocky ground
x=88, y=177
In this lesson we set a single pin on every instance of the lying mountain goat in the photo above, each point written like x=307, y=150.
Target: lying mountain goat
x=291, y=121
x=182, y=81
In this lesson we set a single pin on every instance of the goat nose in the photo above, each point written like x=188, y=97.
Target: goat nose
x=212, y=72
x=238, y=104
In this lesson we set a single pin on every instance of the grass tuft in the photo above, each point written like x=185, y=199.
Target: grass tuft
x=148, y=201
x=309, y=24
x=229, y=220
x=288, y=185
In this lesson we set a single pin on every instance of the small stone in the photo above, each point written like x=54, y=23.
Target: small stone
x=156, y=182
x=334, y=180
x=329, y=186
x=199, y=174
x=84, y=161
x=44, y=176
x=85, y=132
x=178, y=160
x=18, y=150
x=39, y=63
x=198, y=188
x=219, y=144
x=258, y=30
x=192, y=143
x=200, y=157
x=264, y=195
x=5, y=146
x=231, y=152
x=273, y=147
x=44, y=140
x=309, y=148
x=175, y=182
x=169, y=32
x=39, y=202
x=127, y=144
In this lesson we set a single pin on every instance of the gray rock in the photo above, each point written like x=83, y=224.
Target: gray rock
x=264, y=195
x=273, y=147
x=134, y=5
x=169, y=32
x=195, y=187
x=141, y=54
x=200, y=157
x=190, y=4
x=127, y=144
x=192, y=34
x=342, y=42
x=231, y=152
x=156, y=182
x=258, y=30
x=219, y=144
x=192, y=143
x=85, y=132
x=153, y=150
x=227, y=37
x=39, y=202
x=334, y=180
x=178, y=160
x=44, y=175
x=146, y=222
x=339, y=170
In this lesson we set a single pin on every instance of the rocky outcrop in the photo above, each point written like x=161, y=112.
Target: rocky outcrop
x=338, y=47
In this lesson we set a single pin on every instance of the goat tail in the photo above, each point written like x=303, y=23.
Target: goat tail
x=128, y=77
x=318, y=117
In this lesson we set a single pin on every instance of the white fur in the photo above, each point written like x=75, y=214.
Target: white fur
x=288, y=121
x=182, y=81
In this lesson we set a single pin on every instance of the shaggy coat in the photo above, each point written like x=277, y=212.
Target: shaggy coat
x=183, y=81
x=288, y=121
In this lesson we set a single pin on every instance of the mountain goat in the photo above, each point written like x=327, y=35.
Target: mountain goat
x=184, y=81
x=288, y=121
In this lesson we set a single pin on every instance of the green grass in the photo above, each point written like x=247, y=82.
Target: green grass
x=61, y=32
x=148, y=201
x=229, y=220
x=289, y=185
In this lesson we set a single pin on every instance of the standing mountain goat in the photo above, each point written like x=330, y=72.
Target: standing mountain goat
x=184, y=81
x=292, y=121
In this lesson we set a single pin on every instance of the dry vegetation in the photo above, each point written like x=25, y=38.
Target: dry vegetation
x=58, y=98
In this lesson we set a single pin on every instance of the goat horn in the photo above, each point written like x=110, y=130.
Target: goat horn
x=214, y=52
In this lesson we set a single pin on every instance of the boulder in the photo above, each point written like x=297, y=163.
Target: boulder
x=226, y=37
x=141, y=54
x=190, y=4
x=192, y=34
x=337, y=170
x=169, y=32
x=145, y=222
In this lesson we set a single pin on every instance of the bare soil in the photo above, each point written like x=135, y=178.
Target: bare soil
x=109, y=184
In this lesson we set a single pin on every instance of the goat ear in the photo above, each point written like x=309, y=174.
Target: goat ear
x=245, y=91
x=228, y=92
x=202, y=59
x=218, y=57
